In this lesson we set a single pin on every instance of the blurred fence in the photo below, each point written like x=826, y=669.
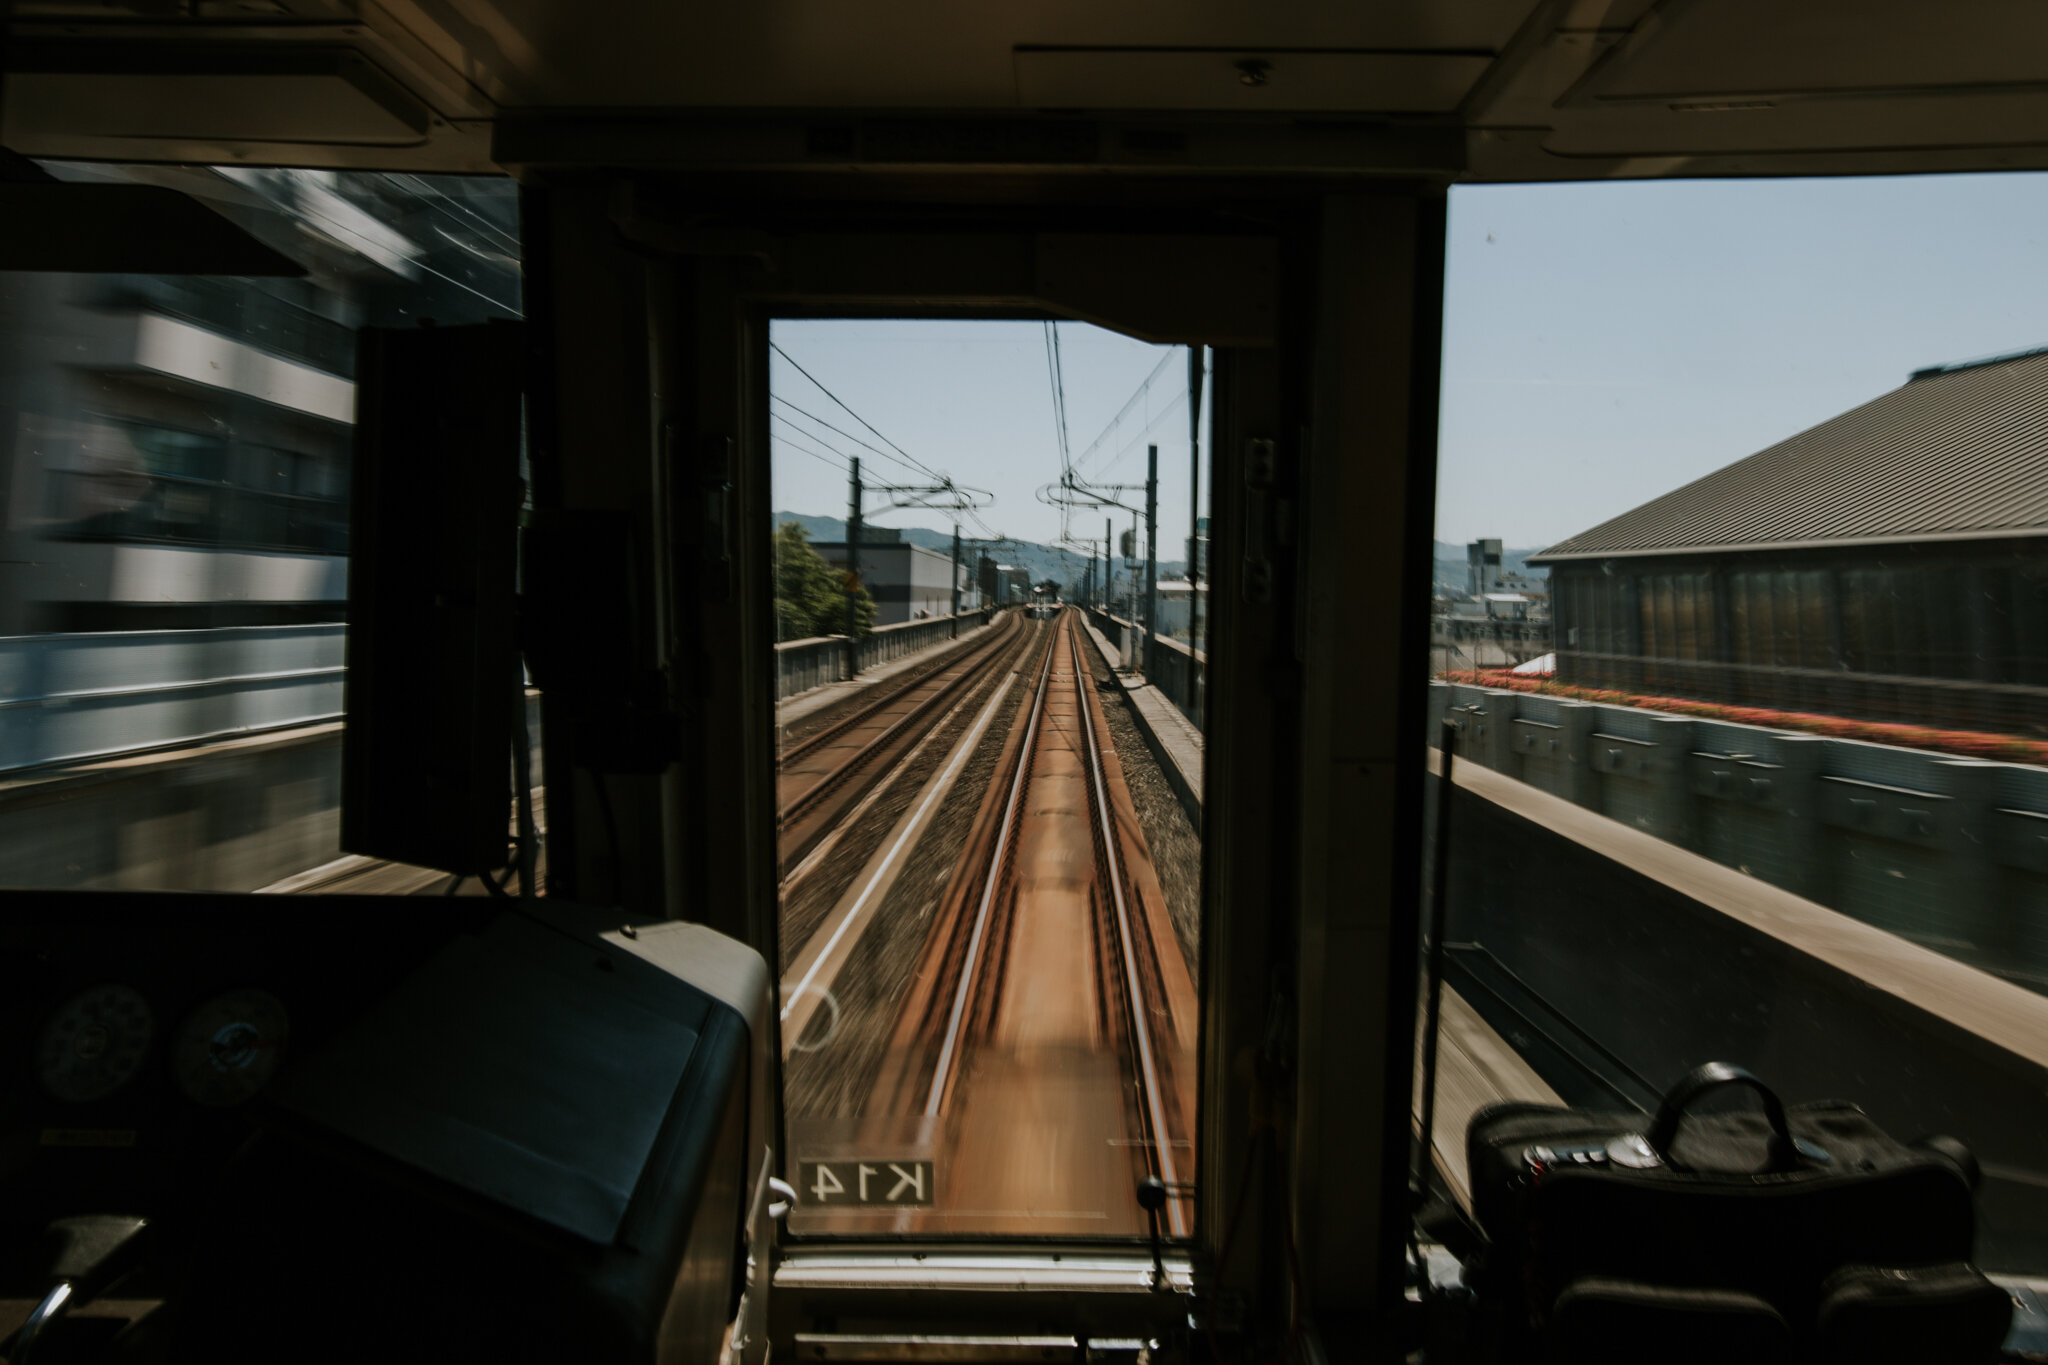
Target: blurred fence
x=1951, y=853
x=69, y=697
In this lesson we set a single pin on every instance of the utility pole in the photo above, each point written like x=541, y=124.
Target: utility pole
x=1135, y=649
x=1194, y=499
x=956, y=580
x=1151, y=556
x=1108, y=583
x=853, y=497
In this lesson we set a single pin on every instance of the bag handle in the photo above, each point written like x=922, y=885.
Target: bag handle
x=1783, y=1152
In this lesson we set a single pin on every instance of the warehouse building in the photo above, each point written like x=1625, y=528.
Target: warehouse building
x=1887, y=564
x=909, y=582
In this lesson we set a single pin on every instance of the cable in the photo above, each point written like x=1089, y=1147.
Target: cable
x=1132, y=444
x=1125, y=411
x=809, y=435
x=875, y=449
x=915, y=463
x=840, y=465
x=1059, y=395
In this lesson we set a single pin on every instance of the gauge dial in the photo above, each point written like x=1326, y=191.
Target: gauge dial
x=230, y=1046
x=95, y=1044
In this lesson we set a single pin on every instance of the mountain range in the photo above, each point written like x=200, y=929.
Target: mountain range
x=1064, y=567
x=1067, y=566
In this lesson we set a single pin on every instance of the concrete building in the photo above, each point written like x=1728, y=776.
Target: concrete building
x=174, y=450
x=1171, y=605
x=1482, y=567
x=909, y=582
x=1505, y=606
x=1002, y=585
x=1885, y=564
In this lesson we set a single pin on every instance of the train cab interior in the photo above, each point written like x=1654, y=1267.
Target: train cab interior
x=548, y=1121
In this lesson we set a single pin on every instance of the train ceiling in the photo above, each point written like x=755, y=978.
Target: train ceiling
x=1474, y=90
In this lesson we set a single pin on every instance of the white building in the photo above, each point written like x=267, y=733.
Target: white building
x=909, y=582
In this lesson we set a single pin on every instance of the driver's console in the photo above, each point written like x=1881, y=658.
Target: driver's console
x=378, y=1127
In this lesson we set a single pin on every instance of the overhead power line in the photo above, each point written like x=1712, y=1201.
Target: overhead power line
x=837, y=431
x=1134, y=400
x=1059, y=394
x=839, y=465
x=915, y=463
x=1136, y=441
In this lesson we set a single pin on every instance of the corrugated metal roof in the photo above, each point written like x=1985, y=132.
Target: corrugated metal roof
x=1957, y=452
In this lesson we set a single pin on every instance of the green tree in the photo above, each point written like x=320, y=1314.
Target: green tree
x=810, y=595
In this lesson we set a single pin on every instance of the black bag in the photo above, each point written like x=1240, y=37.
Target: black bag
x=1803, y=1234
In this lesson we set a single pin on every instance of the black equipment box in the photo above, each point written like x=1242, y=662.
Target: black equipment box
x=1801, y=1233
x=536, y=1146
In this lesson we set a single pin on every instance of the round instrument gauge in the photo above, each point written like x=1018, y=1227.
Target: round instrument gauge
x=230, y=1046
x=95, y=1044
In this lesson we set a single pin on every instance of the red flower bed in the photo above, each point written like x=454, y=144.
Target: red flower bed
x=1968, y=743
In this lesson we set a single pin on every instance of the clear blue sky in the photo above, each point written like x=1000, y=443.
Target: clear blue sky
x=1606, y=343
x=1603, y=344
x=974, y=400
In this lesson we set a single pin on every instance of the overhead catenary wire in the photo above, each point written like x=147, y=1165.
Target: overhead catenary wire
x=841, y=432
x=839, y=465
x=1132, y=402
x=915, y=463
x=838, y=455
x=1059, y=395
x=1127, y=447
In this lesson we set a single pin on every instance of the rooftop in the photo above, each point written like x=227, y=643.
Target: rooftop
x=1958, y=452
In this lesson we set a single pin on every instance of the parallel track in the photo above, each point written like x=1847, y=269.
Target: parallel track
x=820, y=778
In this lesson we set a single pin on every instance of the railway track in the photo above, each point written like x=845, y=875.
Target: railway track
x=1047, y=1045
x=822, y=777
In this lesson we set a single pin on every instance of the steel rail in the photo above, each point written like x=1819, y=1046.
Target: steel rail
x=1148, y=1071
x=963, y=671
x=949, y=1048
x=1011, y=650
x=993, y=640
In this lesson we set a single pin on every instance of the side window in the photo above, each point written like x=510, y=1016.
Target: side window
x=174, y=476
x=1768, y=783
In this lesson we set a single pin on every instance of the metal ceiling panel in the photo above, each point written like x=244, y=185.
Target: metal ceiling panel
x=266, y=93
x=1245, y=79
x=932, y=54
x=1704, y=48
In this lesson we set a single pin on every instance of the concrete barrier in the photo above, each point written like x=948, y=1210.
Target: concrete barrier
x=1950, y=853
x=801, y=665
x=230, y=815
x=66, y=698
x=1180, y=673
